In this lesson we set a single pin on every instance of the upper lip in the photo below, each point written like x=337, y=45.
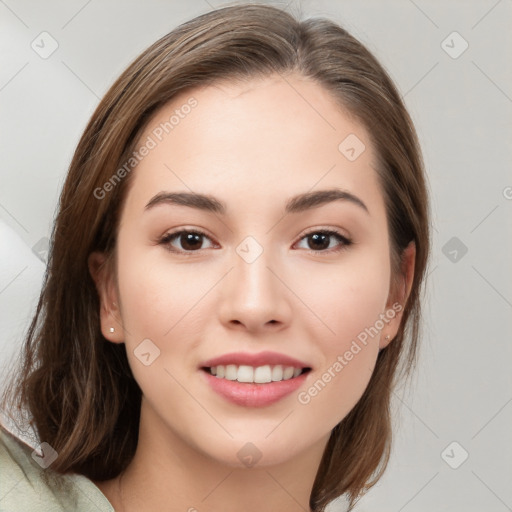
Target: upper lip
x=259, y=359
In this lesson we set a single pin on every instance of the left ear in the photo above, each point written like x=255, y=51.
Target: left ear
x=399, y=293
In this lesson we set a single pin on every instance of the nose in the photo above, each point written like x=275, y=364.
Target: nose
x=254, y=295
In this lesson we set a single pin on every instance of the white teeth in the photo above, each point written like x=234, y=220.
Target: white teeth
x=288, y=373
x=258, y=375
x=231, y=372
x=262, y=374
x=277, y=373
x=245, y=373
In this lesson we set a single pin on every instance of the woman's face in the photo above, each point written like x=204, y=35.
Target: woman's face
x=262, y=276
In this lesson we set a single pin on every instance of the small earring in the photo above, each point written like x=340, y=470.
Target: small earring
x=112, y=329
x=387, y=337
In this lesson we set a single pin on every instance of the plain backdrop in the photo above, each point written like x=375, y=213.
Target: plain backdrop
x=451, y=62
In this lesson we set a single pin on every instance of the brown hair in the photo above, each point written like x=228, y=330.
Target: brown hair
x=77, y=386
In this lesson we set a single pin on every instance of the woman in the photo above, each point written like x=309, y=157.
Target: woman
x=234, y=281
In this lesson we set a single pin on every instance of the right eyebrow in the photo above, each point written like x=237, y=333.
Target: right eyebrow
x=190, y=199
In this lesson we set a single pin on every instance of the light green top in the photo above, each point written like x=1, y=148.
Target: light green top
x=26, y=486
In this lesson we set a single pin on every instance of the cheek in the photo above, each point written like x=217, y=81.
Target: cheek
x=348, y=298
x=339, y=300
x=349, y=303
x=158, y=302
x=331, y=309
x=351, y=309
x=358, y=305
x=156, y=296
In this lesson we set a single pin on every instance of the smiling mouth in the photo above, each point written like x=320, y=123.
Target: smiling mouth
x=255, y=375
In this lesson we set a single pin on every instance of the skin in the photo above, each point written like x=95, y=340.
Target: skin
x=253, y=146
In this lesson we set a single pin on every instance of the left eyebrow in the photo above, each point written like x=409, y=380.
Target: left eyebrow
x=295, y=204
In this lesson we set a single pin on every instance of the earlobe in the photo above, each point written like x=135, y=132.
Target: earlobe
x=110, y=318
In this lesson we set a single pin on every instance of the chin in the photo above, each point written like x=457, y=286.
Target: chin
x=251, y=452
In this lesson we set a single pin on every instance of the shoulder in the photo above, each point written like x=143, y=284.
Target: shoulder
x=28, y=483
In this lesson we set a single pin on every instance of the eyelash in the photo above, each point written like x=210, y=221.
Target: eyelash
x=346, y=242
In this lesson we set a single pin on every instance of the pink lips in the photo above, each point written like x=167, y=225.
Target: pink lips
x=251, y=394
x=254, y=395
x=259, y=359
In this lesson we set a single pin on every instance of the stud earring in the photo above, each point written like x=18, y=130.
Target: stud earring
x=112, y=329
x=387, y=337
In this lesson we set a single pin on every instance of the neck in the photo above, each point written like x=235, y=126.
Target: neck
x=169, y=474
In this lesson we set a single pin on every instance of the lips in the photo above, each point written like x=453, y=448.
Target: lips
x=252, y=394
x=255, y=360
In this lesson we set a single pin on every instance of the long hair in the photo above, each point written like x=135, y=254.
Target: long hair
x=76, y=386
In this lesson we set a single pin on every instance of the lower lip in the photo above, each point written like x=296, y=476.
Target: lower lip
x=254, y=395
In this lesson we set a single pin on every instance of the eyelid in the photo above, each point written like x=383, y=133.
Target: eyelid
x=326, y=228
x=331, y=231
x=168, y=236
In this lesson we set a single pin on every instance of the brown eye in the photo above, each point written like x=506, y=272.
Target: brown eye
x=320, y=241
x=188, y=241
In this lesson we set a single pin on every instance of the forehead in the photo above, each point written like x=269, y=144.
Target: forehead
x=265, y=137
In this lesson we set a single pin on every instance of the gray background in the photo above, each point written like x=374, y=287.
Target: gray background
x=461, y=105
